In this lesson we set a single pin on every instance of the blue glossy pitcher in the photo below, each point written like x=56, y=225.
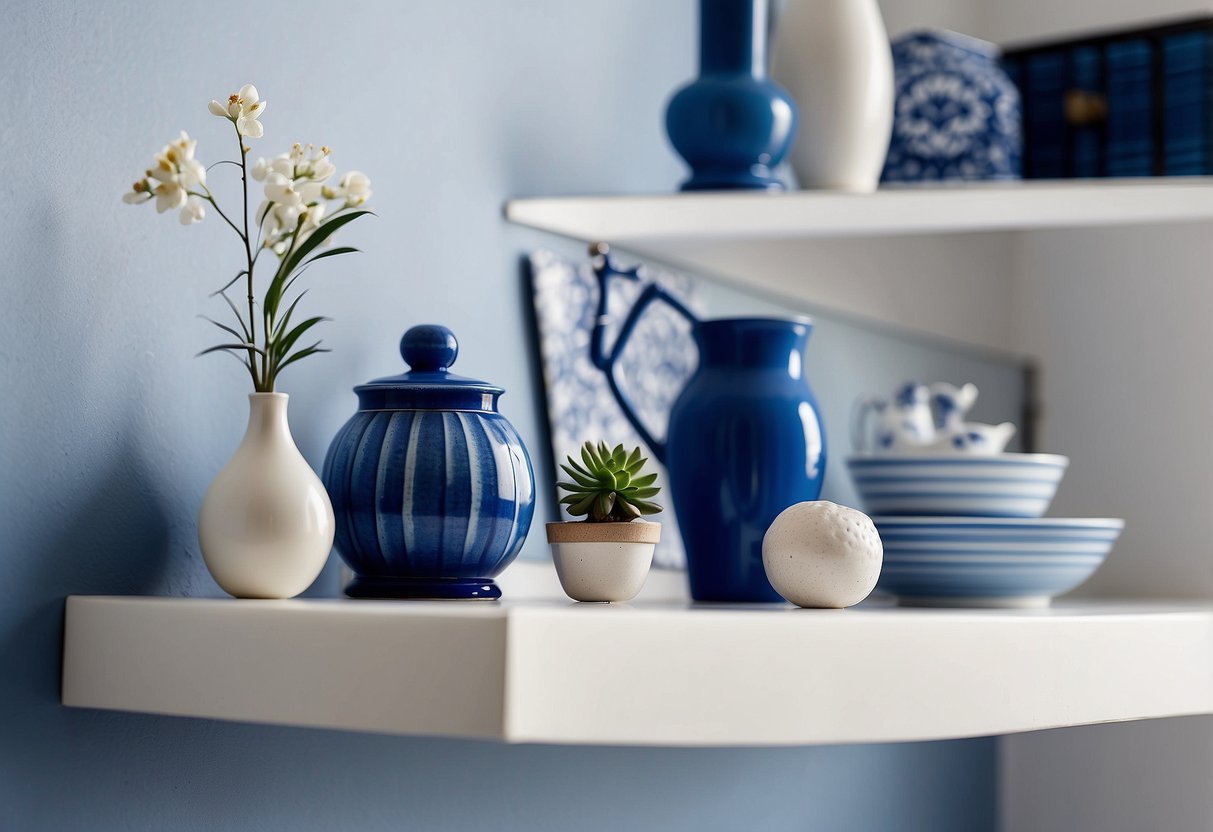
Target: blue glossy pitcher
x=744, y=442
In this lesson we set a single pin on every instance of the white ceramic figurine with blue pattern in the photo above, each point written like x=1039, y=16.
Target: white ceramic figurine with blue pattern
x=957, y=115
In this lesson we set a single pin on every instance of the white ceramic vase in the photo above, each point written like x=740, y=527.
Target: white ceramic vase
x=834, y=58
x=266, y=524
x=603, y=561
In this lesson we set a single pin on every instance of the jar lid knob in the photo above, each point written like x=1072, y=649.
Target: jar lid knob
x=429, y=348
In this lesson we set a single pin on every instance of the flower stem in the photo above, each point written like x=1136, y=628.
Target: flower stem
x=266, y=382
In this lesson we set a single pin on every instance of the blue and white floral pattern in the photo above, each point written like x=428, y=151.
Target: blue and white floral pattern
x=659, y=359
x=957, y=114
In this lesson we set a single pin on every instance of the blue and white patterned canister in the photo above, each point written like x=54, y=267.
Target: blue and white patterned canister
x=432, y=488
x=957, y=115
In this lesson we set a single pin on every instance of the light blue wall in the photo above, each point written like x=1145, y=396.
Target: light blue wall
x=110, y=430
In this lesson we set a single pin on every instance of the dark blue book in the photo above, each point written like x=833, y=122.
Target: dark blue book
x=1045, y=118
x=1187, y=114
x=1130, y=130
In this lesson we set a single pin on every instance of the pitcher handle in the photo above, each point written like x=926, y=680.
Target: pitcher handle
x=859, y=421
x=605, y=359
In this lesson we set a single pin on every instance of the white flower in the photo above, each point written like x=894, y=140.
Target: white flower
x=322, y=168
x=281, y=190
x=141, y=191
x=279, y=164
x=355, y=186
x=179, y=155
x=309, y=191
x=171, y=177
x=193, y=211
x=243, y=109
x=170, y=195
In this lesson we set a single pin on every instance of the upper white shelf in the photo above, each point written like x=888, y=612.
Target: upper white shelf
x=965, y=207
x=656, y=672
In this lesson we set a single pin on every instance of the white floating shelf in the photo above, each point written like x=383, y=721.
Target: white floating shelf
x=747, y=215
x=657, y=672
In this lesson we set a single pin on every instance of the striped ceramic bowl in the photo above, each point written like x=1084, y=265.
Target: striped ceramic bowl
x=968, y=561
x=956, y=485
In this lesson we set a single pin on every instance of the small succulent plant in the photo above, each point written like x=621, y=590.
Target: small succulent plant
x=607, y=486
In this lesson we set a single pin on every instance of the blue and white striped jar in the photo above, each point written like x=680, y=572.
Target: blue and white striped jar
x=431, y=486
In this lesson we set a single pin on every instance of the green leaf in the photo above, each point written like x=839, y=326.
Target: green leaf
x=282, y=324
x=604, y=504
x=630, y=464
x=604, y=453
x=236, y=312
x=241, y=347
x=579, y=469
x=281, y=348
x=230, y=283
x=299, y=356
x=590, y=457
x=619, y=456
x=582, y=507
x=322, y=233
x=622, y=505
x=333, y=252
x=636, y=467
x=583, y=480
x=646, y=507
x=573, y=499
x=224, y=327
x=643, y=493
x=642, y=482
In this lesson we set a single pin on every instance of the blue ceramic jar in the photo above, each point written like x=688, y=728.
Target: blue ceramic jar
x=431, y=486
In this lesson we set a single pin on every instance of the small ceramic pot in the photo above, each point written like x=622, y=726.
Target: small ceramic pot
x=603, y=561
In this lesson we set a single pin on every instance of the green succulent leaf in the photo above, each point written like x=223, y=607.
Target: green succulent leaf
x=582, y=506
x=634, y=461
x=603, y=505
x=582, y=480
x=627, y=508
x=646, y=507
x=588, y=455
x=608, y=484
x=645, y=481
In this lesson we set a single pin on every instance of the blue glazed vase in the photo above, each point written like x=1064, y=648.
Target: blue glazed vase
x=732, y=125
x=432, y=488
x=744, y=442
x=957, y=115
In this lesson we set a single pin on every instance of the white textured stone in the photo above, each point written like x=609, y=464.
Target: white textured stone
x=821, y=554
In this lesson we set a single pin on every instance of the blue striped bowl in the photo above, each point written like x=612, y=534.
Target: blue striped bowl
x=956, y=485
x=962, y=561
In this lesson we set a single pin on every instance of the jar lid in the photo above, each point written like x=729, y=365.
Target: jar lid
x=429, y=350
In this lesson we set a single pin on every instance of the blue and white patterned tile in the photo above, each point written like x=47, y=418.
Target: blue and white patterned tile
x=659, y=359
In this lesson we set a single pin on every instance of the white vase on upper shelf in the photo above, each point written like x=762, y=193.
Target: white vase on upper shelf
x=834, y=58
